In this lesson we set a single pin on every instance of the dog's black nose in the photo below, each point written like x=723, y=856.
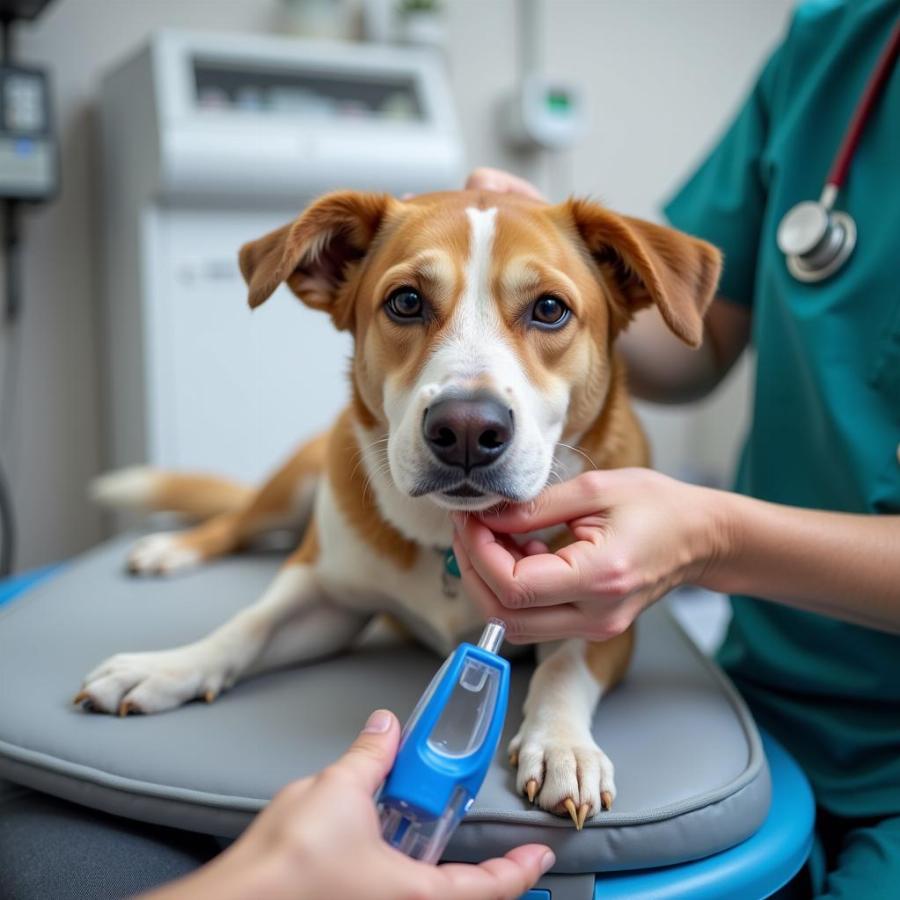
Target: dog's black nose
x=468, y=431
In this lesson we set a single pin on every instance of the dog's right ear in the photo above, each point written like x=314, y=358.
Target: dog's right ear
x=316, y=254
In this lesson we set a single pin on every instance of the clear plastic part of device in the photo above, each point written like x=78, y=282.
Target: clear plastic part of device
x=423, y=839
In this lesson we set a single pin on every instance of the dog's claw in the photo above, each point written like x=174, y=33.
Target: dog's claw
x=80, y=697
x=606, y=800
x=209, y=696
x=126, y=707
x=531, y=790
x=514, y=758
x=569, y=804
x=582, y=815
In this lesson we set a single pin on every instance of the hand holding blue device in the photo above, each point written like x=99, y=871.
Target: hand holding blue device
x=446, y=748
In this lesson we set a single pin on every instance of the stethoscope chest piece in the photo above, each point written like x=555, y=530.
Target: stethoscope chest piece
x=815, y=240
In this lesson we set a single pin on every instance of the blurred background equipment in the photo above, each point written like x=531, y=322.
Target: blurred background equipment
x=29, y=171
x=414, y=22
x=210, y=141
x=543, y=114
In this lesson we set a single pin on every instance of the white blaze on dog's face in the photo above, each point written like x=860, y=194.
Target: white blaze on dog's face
x=475, y=426
x=483, y=324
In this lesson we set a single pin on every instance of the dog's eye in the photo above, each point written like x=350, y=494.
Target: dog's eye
x=405, y=304
x=549, y=312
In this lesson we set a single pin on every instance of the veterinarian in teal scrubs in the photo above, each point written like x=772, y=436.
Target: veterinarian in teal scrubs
x=826, y=415
x=825, y=435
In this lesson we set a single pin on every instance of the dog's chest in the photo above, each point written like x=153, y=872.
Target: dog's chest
x=426, y=597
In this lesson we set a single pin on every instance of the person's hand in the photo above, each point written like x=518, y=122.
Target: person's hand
x=500, y=182
x=637, y=534
x=320, y=839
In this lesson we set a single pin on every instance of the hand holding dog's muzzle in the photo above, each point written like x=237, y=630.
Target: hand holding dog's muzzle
x=633, y=535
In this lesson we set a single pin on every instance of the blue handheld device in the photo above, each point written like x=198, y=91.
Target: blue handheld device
x=446, y=748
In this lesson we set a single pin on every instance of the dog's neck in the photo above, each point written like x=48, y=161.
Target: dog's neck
x=616, y=439
x=397, y=524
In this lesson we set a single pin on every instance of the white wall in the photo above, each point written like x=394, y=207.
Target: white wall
x=660, y=78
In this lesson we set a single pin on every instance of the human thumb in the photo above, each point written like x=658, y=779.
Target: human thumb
x=371, y=755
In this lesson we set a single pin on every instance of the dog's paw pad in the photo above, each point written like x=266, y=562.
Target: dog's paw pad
x=161, y=554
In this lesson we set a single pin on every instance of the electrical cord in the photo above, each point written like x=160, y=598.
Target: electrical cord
x=7, y=528
x=11, y=261
x=7, y=399
x=7, y=403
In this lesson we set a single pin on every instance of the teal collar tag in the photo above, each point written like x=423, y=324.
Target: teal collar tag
x=451, y=566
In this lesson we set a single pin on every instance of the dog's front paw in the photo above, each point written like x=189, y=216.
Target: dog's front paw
x=562, y=770
x=162, y=554
x=152, y=682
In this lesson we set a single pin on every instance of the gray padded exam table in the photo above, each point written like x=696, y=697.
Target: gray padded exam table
x=691, y=774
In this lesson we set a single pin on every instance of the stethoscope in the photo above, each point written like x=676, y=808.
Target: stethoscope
x=815, y=238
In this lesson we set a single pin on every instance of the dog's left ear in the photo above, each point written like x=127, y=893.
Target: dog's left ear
x=650, y=264
x=317, y=253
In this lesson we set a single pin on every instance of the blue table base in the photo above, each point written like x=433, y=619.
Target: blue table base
x=757, y=868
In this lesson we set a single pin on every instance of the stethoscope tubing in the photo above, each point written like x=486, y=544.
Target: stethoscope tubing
x=883, y=68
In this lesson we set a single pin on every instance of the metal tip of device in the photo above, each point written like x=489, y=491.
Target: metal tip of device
x=492, y=637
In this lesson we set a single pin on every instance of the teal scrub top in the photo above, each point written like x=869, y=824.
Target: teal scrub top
x=825, y=431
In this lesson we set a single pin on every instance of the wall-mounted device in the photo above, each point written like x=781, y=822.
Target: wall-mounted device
x=29, y=159
x=29, y=171
x=543, y=113
x=28, y=155
x=209, y=141
x=29, y=167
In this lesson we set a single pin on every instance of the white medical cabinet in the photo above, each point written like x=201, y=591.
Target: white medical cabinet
x=209, y=141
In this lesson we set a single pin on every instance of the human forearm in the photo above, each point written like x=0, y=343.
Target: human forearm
x=663, y=370
x=840, y=565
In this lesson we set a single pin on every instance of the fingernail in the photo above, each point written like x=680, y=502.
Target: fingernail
x=378, y=722
x=547, y=861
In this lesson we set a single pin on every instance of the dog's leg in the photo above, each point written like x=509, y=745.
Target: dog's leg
x=559, y=764
x=284, y=501
x=248, y=643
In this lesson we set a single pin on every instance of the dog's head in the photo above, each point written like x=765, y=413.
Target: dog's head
x=483, y=323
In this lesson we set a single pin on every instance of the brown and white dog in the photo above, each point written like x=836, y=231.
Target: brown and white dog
x=484, y=327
